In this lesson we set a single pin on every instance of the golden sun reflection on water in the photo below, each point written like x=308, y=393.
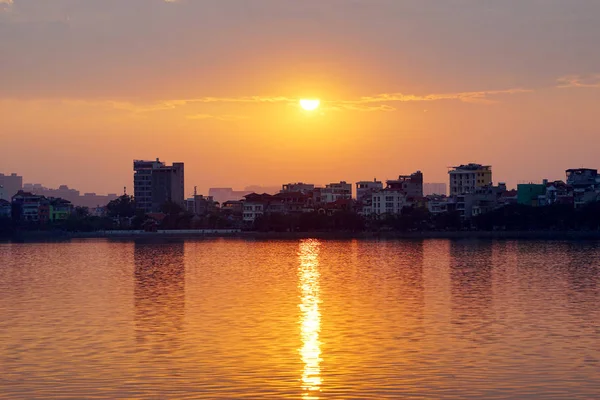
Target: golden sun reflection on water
x=310, y=317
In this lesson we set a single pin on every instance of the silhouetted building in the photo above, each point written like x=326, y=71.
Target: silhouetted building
x=261, y=189
x=222, y=195
x=155, y=183
x=64, y=192
x=142, y=183
x=232, y=207
x=12, y=184
x=582, y=177
x=410, y=185
x=168, y=186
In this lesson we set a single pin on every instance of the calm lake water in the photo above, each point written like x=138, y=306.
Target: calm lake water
x=303, y=319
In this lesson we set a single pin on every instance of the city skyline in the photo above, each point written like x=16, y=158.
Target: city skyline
x=403, y=85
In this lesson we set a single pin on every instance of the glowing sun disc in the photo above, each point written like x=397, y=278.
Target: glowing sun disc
x=310, y=104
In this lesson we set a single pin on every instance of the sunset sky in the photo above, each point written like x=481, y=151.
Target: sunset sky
x=86, y=86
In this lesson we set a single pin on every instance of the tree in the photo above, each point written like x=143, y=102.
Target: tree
x=122, y=207
x=171, y=208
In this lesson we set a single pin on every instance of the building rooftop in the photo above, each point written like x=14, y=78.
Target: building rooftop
x=471, y=167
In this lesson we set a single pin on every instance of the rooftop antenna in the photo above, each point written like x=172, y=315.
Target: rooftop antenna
x=124, y=190
x=195, y=191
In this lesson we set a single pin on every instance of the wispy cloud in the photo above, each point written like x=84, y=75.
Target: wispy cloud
x=380, y=102
x=217, y=117
x=579, y=81
x=484, y=97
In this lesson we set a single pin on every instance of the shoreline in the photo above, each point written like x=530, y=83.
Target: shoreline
x=252, y=235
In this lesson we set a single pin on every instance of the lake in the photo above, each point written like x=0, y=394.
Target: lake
x=300, y=319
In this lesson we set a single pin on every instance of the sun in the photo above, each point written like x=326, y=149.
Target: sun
x=310, y=104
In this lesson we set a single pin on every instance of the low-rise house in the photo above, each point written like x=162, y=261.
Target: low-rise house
x=201, y=205
x=483, y=200
x=437, y=204
x=5, y=209
x=337, y=206
x=336, y=191
x=558, y=192
x=255, y=206
x=529, y=194
x=232, y=207
x=290, y=202
x=508, y=197
x=60, y=209
x=30, y=207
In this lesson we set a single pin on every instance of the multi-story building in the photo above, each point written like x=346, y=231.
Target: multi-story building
x=586, y=185
x=468, y=178
x=410, y=185
x=3, y=193
x=12, y=184
x=155, y=183
x=433, y=189
x=365, y=188
x=336, y=191
x=201, y=205
x=168, y=186
x=582, y=177
x=297, y=187
x=388, y=201
x=142, y=183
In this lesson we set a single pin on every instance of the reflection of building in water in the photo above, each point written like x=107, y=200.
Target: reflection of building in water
x=583, y=277
x=310, y=317
x=409, y=272
x=471, y=282
x=159, y=293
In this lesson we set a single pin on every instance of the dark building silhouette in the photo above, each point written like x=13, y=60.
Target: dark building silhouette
x=155, y=183
x=11, y=184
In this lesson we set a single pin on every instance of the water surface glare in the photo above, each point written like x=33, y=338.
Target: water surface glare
x=304, y=319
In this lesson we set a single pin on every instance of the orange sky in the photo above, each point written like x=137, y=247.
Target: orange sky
x=86, y=87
